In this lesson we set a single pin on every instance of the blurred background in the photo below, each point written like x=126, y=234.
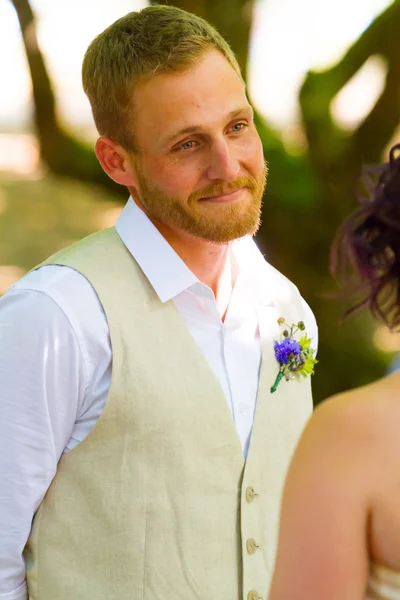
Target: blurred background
x=324, y=78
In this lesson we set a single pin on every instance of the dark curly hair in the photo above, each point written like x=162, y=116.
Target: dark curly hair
x=367, y=244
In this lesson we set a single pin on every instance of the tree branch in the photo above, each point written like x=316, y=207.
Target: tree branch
x=327, y=143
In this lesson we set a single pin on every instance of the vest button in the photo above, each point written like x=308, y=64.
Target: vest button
x=251, y=546
x=253, y=595
x=250, y=494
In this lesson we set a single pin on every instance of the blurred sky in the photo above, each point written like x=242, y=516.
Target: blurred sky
x=289, y=37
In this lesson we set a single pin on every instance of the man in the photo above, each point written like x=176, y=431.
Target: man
x=136, y=365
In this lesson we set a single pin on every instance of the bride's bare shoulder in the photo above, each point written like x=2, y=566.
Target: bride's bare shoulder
x=376, y=397
x=368, y=414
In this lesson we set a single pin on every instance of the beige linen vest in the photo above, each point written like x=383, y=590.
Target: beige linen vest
x=157, y=502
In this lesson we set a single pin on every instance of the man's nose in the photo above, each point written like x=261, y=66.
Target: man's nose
x=223, y=165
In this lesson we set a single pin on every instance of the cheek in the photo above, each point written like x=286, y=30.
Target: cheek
x=255, y=153
x=177, y=178
x=258, y=152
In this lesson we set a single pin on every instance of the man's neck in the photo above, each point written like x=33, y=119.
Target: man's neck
x=213, y=264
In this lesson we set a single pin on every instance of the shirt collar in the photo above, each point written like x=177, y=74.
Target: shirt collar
x=167, y=272
x=164, y=269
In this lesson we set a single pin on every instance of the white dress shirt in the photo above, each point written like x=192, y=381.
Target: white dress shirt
x=55, y=366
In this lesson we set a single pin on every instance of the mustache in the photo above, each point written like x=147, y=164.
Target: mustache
x=218, y=189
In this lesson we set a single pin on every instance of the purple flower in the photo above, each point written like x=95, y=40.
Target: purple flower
x=284, y=349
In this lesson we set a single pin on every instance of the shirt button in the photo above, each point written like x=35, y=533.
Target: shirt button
x=253, y=595
x=251, y=546
x=250, y=494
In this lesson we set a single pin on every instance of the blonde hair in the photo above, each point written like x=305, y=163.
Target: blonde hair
x=140, y=45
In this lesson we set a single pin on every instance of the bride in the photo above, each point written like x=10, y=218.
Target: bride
x=340, y=522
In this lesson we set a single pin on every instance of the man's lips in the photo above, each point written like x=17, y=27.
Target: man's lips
x=224, y=198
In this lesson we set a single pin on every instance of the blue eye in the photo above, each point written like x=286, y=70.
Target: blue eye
x=186, y=145
x=238, y=127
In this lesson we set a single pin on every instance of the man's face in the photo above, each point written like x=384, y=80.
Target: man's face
x=200, y=167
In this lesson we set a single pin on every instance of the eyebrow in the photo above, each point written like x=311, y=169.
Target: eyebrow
x=197, y=128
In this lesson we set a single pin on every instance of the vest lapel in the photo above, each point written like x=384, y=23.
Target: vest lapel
x=215, y=407
x=276, y=414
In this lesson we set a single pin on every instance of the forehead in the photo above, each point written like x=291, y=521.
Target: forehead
x=205, y=93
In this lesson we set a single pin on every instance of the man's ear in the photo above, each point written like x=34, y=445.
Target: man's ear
x=114, y=159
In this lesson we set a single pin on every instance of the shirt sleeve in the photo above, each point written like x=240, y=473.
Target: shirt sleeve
x=42, y=383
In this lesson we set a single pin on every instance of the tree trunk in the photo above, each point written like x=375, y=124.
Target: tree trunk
x=61, y=152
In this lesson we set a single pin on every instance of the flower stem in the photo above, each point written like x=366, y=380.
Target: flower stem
x=277, y=382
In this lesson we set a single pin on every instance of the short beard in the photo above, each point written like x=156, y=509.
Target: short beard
x=234, y=220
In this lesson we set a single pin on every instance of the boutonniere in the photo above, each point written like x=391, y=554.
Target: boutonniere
x=295, y=357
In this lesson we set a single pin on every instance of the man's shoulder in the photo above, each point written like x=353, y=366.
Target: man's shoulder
x=285, y=291
x=52, y=280
x=98, y=242
x=67, y=288
x=61, y=297
x=253, y=259
x=289, y=297
x=283, y=280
